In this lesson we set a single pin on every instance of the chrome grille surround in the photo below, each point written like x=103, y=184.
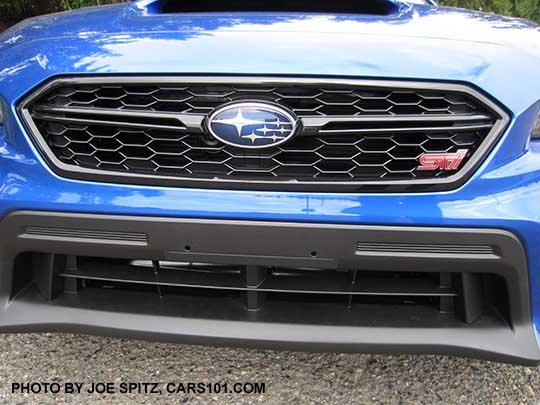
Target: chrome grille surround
x=357, y=135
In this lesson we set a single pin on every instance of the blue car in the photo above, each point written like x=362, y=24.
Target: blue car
x=302, y=175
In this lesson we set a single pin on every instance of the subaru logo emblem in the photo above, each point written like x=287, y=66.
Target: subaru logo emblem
x=252, y=125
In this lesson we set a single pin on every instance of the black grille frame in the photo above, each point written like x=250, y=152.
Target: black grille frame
x=499, y=124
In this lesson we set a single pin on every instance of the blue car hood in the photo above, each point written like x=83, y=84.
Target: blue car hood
x=499, y=55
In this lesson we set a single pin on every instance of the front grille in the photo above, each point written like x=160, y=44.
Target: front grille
x=353, y=133
x=266, y=294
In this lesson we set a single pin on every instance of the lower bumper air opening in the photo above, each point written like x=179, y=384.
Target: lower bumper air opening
x=342, y=297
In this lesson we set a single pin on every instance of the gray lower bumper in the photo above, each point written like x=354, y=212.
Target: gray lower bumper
x=264, y=243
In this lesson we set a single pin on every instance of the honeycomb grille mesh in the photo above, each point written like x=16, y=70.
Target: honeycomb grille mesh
x=302, y=100
x=351, y=133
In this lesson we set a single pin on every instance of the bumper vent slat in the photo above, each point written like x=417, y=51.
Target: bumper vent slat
x=354, y=133
x=62, y=233
x=366, y=247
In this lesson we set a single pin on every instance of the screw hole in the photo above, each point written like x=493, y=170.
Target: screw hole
x=187, y=248
x=314, y=254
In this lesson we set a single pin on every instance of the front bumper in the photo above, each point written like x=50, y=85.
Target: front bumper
x=263, y=244
x=502, y=196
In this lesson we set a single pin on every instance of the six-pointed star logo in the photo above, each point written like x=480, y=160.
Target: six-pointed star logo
x=252, y=125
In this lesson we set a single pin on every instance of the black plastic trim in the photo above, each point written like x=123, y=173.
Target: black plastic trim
x=273, y=243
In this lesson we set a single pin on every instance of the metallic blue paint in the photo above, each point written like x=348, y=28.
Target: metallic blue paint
x=501, y=56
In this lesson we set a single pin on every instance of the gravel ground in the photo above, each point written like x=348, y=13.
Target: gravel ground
x=289, y=377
